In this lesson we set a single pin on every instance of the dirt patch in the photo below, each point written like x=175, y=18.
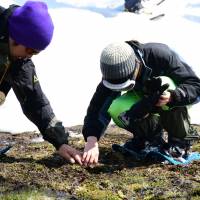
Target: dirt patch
x=34, y=170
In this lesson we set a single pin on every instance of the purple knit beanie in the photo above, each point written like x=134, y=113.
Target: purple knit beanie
x=31, y=25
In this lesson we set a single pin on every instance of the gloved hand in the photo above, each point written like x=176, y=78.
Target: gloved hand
x=152, y=85
x=145, y=106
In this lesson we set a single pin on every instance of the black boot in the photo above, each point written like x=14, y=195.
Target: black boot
x=136, y=144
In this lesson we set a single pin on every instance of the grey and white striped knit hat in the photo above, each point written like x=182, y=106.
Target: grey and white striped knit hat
x=117, y=64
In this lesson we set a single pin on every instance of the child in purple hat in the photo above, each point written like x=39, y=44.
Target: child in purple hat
x=25, y=31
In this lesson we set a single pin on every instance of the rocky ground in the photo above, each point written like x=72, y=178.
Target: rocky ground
x=33, y=170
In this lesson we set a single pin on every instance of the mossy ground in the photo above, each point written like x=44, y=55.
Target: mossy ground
x=34, y=171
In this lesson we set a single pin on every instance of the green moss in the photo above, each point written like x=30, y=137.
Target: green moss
x=27, y=194
x=196, y=147
x=91, y=191
x=196, y=192
x=29, y=170
x=136, y=186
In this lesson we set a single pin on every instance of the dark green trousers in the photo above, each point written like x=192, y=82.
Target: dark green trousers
x=175, y=121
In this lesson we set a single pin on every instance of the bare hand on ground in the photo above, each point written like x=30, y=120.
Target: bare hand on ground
x=69, y=153
x=91, y=152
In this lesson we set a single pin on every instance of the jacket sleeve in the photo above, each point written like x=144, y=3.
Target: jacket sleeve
x=97, y=117
x=188, y=83
x=2, y=9
x=33, y=101
x=5, y=87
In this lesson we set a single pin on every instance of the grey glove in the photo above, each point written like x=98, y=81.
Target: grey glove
x=56, y=134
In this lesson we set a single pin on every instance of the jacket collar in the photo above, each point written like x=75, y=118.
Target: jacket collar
x=145, y=70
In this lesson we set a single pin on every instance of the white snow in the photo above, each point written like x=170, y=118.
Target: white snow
x=68, y=69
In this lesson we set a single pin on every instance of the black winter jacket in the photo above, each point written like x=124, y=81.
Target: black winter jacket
x=163, y=62
x=20, y=75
